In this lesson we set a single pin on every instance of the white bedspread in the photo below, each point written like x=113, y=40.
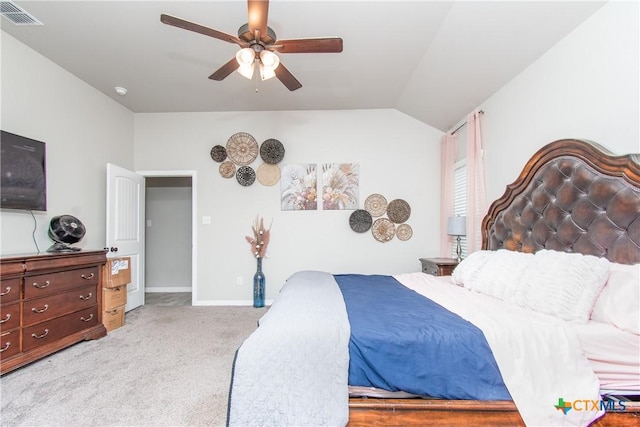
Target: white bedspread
x=614, y=356
x=293, y=370
x=539, y=357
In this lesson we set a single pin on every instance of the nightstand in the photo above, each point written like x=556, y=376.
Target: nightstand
x=438, y=266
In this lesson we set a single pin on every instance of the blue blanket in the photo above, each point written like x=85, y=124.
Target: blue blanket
x=402, y=341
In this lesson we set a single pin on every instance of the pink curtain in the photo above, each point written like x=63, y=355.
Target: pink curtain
x=476, y=192
x=448, y=153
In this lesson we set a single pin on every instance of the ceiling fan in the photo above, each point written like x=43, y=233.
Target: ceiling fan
x=258, y=42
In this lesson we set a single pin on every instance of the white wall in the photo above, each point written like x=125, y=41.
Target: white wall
x=584, y=87
x=398, y=157
x=83, y=130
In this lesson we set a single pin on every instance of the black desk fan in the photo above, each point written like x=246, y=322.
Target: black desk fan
x=65, y=230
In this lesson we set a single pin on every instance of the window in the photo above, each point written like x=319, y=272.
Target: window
x=460, y=201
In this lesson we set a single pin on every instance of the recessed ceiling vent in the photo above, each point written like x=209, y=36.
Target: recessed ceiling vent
x=16, y=14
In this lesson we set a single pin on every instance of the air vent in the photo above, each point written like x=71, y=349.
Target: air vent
x=16, y=14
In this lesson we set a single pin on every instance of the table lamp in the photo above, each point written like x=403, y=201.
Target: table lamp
x=457, y=226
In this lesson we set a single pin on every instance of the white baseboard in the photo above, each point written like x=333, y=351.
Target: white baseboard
x=157, y=289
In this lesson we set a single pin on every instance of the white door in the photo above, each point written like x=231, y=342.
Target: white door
x=125, y=226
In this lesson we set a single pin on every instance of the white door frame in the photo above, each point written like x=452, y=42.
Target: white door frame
x=194, y=215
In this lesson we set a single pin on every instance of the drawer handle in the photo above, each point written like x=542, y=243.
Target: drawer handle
x=6, y=346
x=114, y=311
x=89, y=277
x=82, y=297
x=46, y=332
x=42, y=310
x=88, y=319
x=39, y=286
x=6, y=292
x=6, y=318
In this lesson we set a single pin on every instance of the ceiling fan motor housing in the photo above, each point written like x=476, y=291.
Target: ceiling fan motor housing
x=266, y=39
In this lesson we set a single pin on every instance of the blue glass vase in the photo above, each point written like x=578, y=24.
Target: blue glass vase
x=258, y=286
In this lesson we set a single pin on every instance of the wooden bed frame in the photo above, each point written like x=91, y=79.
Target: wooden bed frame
x=573, y=196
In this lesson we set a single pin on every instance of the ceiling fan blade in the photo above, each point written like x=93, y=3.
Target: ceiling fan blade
x=258, y=15
x=201, y=29
x=222, y=72
x=287, y=78
x=313, y=45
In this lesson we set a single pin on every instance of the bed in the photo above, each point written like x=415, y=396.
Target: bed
x=572, y=197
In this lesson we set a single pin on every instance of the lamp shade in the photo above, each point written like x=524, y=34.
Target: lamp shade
x=269, y=61
x=457, y=226
x=246, y=58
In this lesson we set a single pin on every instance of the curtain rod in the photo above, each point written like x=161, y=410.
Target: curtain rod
x=464, y=124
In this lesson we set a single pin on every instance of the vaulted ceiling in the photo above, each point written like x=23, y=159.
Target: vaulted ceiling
x=433, y=60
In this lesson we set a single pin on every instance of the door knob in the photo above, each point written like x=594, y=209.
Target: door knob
x=114, y=249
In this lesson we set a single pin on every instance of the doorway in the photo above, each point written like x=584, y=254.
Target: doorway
x=170, y=264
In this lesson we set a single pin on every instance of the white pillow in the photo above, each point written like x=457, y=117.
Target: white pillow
x=619, y=302
x=466, y=271
x=501, y=273
x=565, y=285
x=562, y=284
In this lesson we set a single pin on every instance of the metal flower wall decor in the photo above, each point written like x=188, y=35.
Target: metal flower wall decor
x=383, y=229
x=239, y=154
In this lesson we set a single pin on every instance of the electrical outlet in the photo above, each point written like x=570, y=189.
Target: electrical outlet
x=239, y=281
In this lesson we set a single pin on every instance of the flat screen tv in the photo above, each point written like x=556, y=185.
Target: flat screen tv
x=23, y=181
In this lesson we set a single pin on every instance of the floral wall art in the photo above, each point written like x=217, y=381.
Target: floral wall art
x=299, y=187
x=340, y=186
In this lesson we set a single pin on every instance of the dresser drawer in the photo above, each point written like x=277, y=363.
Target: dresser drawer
x=11, y=267
x=9, y=316
x=47, y=284
x=430, y=269
x=438, y=266
x=9, y=290
x=41, y=309
x=53, y=330
x=9, y=344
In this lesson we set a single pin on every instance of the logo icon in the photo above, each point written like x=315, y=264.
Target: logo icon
x=563, y=406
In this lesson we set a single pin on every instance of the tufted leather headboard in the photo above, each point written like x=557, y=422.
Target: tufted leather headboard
x=572, y=196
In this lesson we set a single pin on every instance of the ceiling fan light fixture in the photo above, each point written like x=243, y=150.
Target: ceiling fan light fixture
x=266, y=73
x=269, y=61
x=246, y=58
x=246, y=71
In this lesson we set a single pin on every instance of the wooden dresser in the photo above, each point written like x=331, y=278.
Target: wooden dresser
x=48, y=301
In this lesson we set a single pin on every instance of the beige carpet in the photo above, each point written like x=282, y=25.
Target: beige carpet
x=167, y=366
